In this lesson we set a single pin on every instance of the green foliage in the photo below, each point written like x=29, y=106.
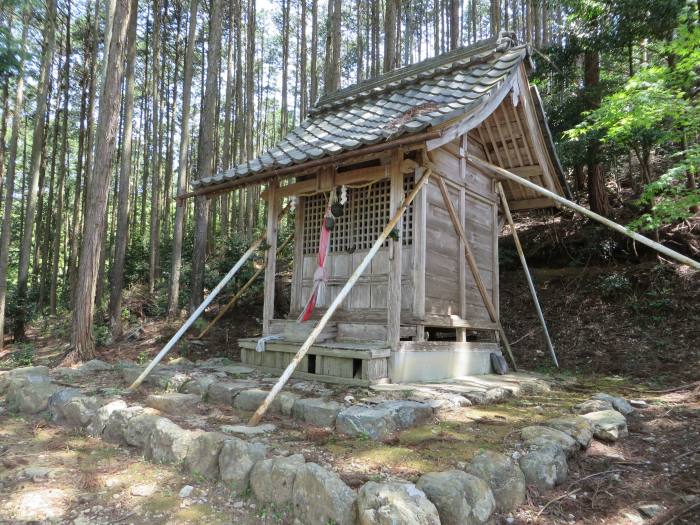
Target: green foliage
x=614, y=285
x=669, y=199
x=656, y=108
x=10, y=45
x=102, y=334
x=641, y=115
x=23, y=356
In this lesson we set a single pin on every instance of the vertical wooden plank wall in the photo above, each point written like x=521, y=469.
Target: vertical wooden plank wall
x=450, y=288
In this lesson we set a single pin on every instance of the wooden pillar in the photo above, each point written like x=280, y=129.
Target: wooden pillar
x=420, y=213
x=271, y=260
x=393, y=307
x=296, y=299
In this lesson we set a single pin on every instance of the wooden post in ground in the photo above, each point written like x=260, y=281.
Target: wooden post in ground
x=498, y=171
x=260, y=412
x=471, y=262
x=523, y=262
x=200, y=309
x=240, y=292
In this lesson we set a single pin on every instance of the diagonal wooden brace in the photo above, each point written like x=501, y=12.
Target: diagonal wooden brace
x=471, y=262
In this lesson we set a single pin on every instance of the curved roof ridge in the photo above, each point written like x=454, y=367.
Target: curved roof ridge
x=460, y=58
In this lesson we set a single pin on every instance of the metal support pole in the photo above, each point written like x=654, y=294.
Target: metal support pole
x=260, y=412
x=200, y=309
x=585, y=211
x=530, y=284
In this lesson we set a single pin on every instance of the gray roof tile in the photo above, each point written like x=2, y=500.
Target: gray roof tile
x=401, y=102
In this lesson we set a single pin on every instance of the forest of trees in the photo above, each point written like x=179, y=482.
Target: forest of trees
x=108, y=108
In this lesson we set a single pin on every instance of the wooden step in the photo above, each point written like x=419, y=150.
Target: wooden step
x=335, y=362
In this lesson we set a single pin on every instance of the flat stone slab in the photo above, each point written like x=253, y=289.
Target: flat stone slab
x=318, y=412
x=517, y=383
x=244, y=430
x=224, y=391
x=608, y=425
x=173, y=403
x=373, y=422
x=233, y=370
x=250, y=400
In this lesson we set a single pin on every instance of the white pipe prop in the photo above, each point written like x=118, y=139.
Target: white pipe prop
x=585, y=211
x=200, y=309
x=530, y=284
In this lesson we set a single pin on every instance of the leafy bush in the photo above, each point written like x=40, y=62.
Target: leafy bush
x=669, y=199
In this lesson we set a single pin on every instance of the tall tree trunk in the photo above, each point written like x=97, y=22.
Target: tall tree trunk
x=376, y=62
x=250, y=112
x=390, y=23
x=178, y=227
x=360, y=51
x=314, y=51
x=331, y=80
x=597, y=195
x=107, y=122
x=58, y=221
x=303, y=73
x=10, y=183
x=455, y=36
x=171, y=110
x=228, y=109
x=284, y=109
x=122, y=235
x=77, y=193
x=495, y=17
x=155, y=151
x=205, y=150
x=35, y=167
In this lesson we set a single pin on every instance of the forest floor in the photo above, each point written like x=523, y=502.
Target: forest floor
x=621, y=322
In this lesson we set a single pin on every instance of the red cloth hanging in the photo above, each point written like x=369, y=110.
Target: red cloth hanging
x=320, y=275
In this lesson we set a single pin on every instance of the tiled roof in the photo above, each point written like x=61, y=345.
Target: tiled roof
x=396, y=104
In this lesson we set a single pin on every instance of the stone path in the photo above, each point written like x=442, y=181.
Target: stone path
x=312, y=493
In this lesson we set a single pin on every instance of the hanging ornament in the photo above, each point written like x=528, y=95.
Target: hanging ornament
x=293, y=204
x=329, y=222
x=343, y=195
x=337, y=209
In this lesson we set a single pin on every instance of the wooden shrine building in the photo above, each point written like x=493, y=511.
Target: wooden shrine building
x=417, y=312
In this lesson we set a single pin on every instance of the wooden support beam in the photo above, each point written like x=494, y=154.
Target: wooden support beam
x=242, y=290
x=309, y=186
x=260, y=412
x=523, y=262
x=471, y=261
x=585, y=211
